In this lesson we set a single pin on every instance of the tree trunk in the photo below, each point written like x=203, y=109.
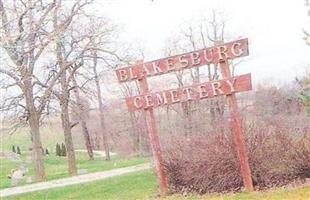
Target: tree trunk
x=37, y=154
x=135, y=134
x=187, y=118
x=34, y=123
x=87, y=140
x=104, y=138
x=64, y=104
x=105, y=143
x=68, y=138
x=81, y=116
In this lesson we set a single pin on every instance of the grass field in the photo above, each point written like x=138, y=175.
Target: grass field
x=142, y=185
x=56, y=167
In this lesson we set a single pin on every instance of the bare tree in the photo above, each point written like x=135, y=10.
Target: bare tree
x=25, y=35
x=136, y=132
x=178, y=45
x=104, y=140
x=81, y=113
x=104, y=56
x=206, y=32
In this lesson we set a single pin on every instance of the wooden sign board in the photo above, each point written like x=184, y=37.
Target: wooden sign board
x=199, y=91
x=197, y=58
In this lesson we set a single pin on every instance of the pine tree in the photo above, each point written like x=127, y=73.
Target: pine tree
x=63, y=150
x=58, y=150
x=18, y=150
x=13, y=149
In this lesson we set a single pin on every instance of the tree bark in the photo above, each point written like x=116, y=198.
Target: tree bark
x=34, y=124
x=105, y=143
x=65, y=120
x=68, y=140
x=37, y=155
x=87, y=140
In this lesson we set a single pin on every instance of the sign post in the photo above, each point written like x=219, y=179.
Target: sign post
x=153, y=136
x=227, y=86
x=237, y=132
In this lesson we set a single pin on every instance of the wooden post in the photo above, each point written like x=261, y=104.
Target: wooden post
x=152, y=131
x=237, y=133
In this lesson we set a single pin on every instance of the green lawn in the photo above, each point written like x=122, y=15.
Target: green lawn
x=56, y=167
x=139, y=185
x=142, y=185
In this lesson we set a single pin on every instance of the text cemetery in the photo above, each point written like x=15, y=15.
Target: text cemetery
x=194, y=92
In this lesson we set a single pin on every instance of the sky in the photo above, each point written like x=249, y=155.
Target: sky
x=274, y=29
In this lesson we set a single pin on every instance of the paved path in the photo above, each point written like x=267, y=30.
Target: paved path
x=72, y=180
x=97, y=153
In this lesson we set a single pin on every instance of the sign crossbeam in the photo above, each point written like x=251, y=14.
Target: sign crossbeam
x=195, y=92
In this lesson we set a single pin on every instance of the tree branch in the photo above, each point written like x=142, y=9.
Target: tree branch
x=11, y=75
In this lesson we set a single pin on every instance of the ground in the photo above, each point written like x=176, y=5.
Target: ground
x=142, y=185
x=137, y=185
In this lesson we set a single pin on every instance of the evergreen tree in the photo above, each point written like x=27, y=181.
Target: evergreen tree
x=63, y=150
x=13, y=149
x=18, y=150
x=58, y=150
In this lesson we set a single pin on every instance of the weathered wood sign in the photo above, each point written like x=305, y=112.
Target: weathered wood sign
x=199, y=91
x=227, y=86
x=198, y=58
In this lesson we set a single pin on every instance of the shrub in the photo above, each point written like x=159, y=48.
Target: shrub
x=278, y=150
x=63, y=150
x=18, y=150
x=46, y=152
x=13, y=149
x=58, y=150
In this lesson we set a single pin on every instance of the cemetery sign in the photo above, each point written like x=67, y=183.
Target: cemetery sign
x=227, y=86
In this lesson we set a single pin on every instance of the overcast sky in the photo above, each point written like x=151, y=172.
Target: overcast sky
x=274, y=29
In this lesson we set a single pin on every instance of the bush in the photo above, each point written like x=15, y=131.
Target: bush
x=13, y=149
x=58, y=150
x=278, y=149
x=18, y=150
x=46, y=152
x=63, y=150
